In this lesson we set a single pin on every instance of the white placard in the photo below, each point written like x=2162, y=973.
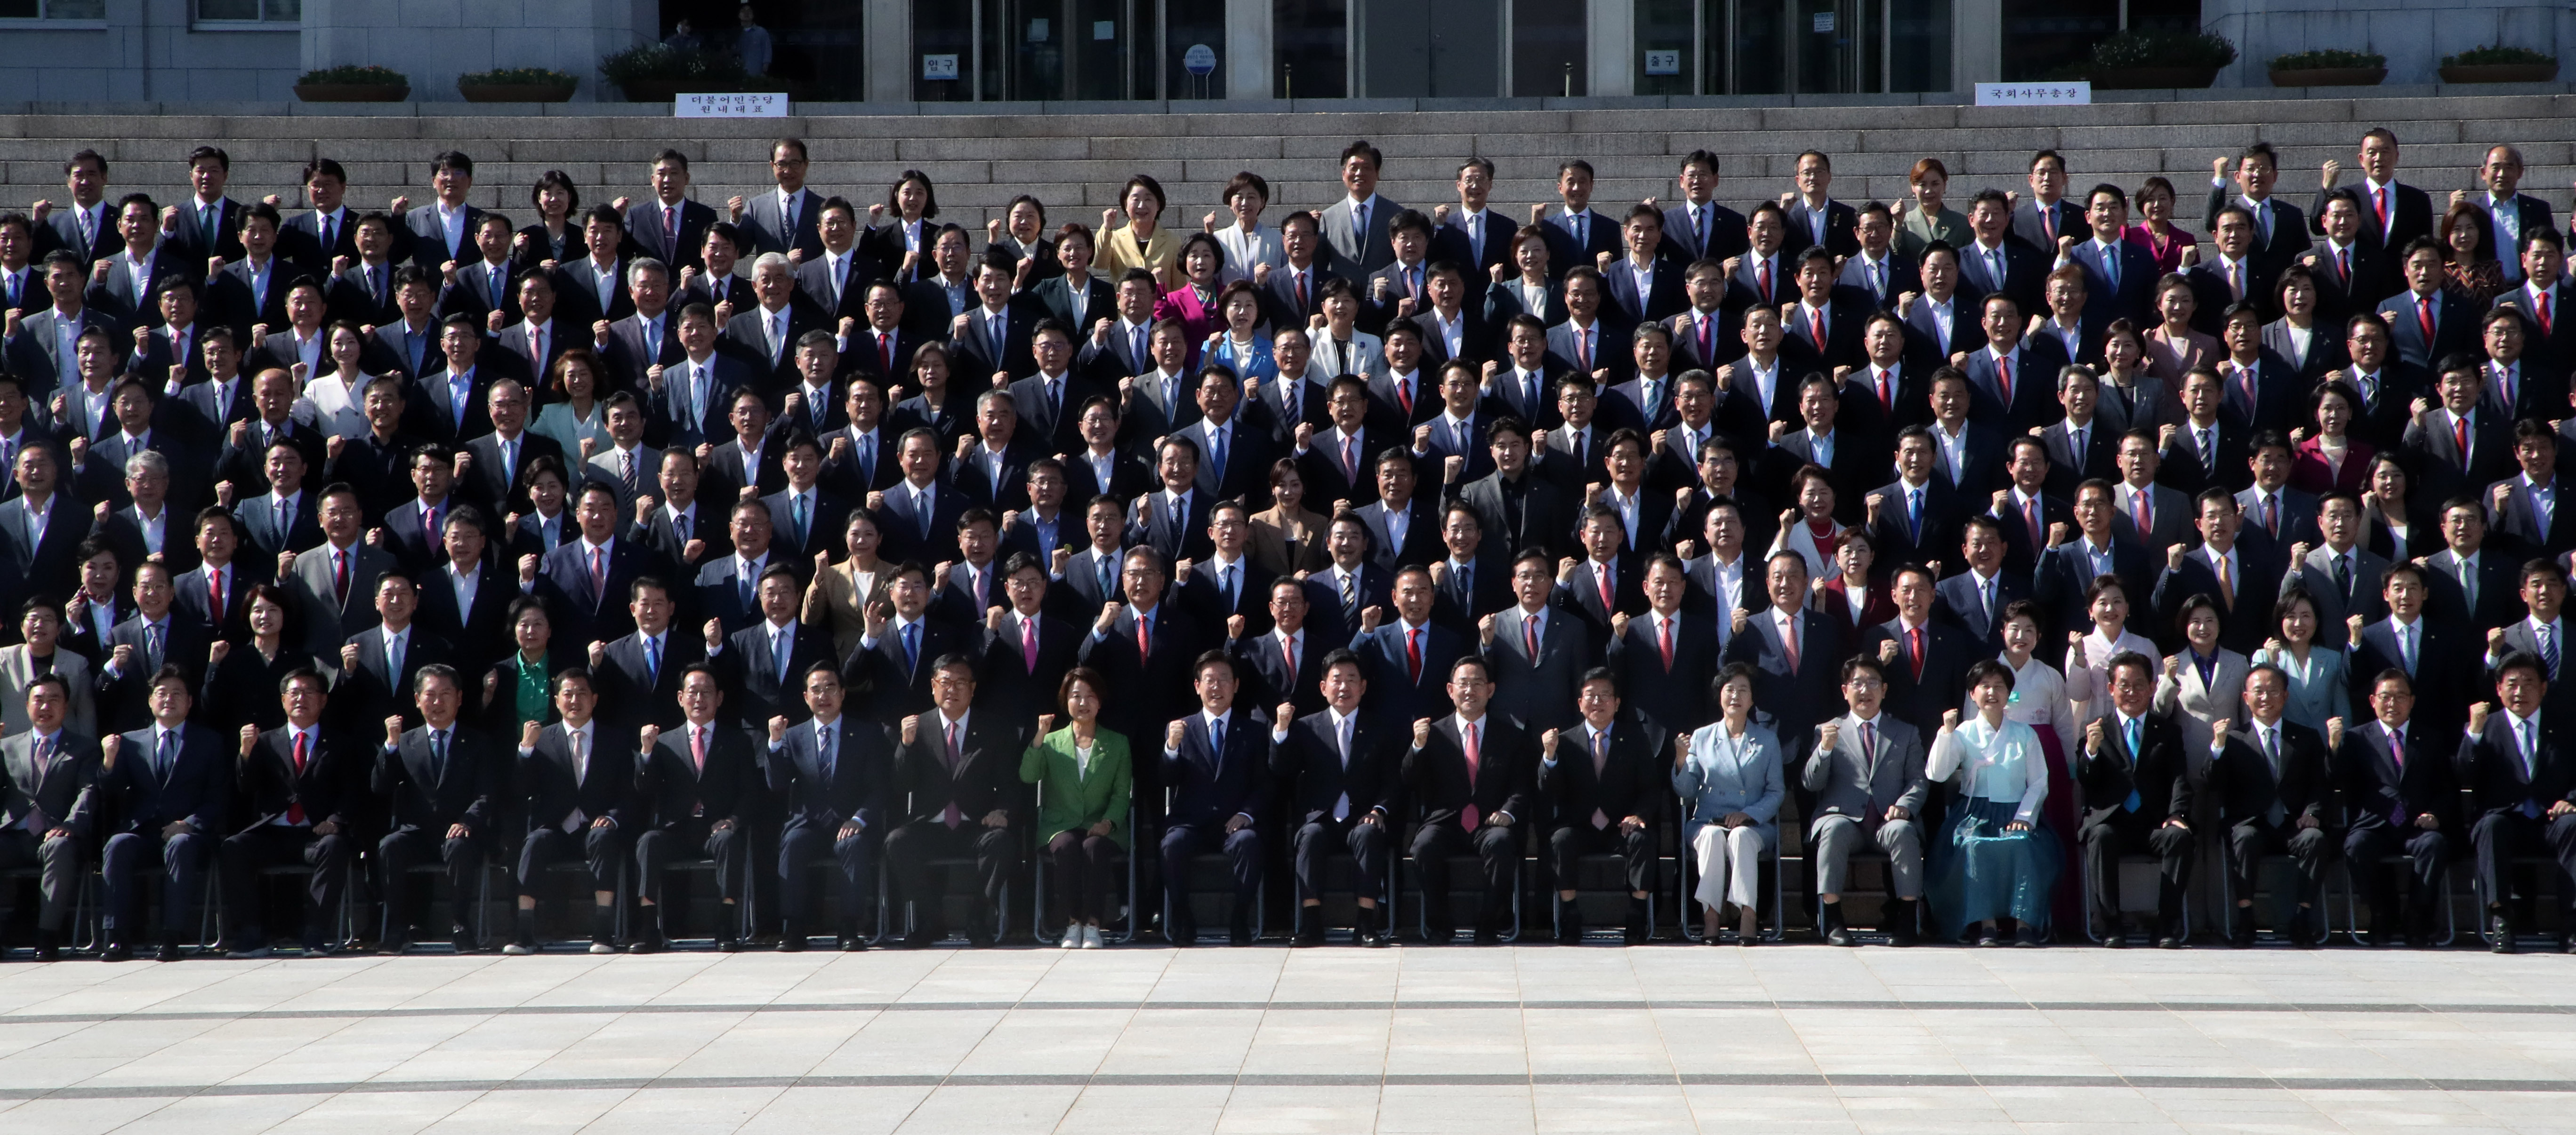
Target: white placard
x=1663, y=62
x=939, y=66
x=743, y=104
x=2076, y=92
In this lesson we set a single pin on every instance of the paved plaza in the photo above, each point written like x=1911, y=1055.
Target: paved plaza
x=1773, y=1040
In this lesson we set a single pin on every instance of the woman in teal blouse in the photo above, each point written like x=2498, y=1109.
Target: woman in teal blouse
x=514, y=690
x=1084, y=781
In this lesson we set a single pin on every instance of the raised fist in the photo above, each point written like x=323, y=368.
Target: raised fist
x=528, y=734
x=2093, y=737
x=1174, y=733
x=1829, y=734
x=1046, y=724
x=911, y=728
x=1949, y=720
x=1421, y=732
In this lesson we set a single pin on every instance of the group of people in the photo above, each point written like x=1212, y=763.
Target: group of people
x=795, y=536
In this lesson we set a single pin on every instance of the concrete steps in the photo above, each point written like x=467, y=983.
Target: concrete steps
x=1077, y=162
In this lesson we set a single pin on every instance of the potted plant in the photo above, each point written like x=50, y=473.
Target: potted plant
x=2329, y=68
x=350, y=83
x=655, y=72
x=517, y=84
x=2499, y=64
x=2140, y=58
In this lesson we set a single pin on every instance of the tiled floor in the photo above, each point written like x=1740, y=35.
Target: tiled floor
x=1141, y=1042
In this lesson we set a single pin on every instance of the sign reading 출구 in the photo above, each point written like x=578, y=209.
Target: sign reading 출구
x=2074, y=92
x=738, y=104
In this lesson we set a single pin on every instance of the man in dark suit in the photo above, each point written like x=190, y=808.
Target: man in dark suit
x=1915, y=518
x=301, y=790
x=1974, y=601
x=1514, y=509
x=444, y=231
x=172, y=795
x=762, y=663
x=86, y=227
x=2433, y=438
x=1662, y=658
x=2272, y=782
x=582, y=580
x=1994, y=262
x=129, y=287
x=2472, y=586
x=2438, y=660
x=2040, y=219
x=2522, y=783
x=1475, y=776
x=2238, y=573
x=575, y=791
x=959, y=768
x=1338, y=769
x=2012, y=379
x=2279, y=229
x=2350, y=276
x=1878, y=271
x=2063, y=584
x=1794, y=651
x=765, y=335
x=784, y=219
x=1698, y=228
x=1173, y=520
x=466, y=598
x=646, y=338
x=2428, y=322
x=2119, y=277
x=1214, y=763
x=702, y=783
x=2399, y=799
x=1925, y=663
x=2392, y=211
x=2138, y=788
x=670, y=226
x=694, y=392
x=1825, y=326
x=1403, y=660
x=1603, y=782
x=381, y=664
x=829, y=772
x=137, y=649
x=918, y=518
x=454, y=396
x=45, y=350
x=443, y=784
x=1813, y=216
x=638, y=675
x=1026, y=652
x=495, y=464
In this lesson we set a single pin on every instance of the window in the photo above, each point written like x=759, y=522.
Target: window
x=248, y=11
x=53, y=9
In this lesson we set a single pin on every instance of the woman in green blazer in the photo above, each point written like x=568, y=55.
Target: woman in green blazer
x=1084, y=779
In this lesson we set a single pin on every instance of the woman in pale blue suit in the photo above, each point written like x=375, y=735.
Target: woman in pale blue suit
x=576, y=411
x=2319, y=690
x=1239, y=343
x=1728, y=777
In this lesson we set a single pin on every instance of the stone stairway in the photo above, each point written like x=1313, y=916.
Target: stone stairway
x=1076, y=162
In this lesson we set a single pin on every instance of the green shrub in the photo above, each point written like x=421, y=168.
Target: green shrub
x=2488, y=56
x=660, y=61
x=520, y=76
x=2328, y=58
x=353, y=74
x=2141, y=48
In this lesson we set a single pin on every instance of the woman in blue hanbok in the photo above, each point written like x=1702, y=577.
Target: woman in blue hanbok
x=1996, y=863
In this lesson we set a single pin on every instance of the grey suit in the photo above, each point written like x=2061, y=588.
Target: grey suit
x=603, y=468
x=2335, y=605
x=16, y=672
x=764, y=229
x=330, y=621
x=1854, y=787
x=1538, y=693
x=1360, y=258
x=62, y=795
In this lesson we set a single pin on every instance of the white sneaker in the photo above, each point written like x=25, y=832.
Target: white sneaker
x=1091, y=937
x=1072, y=937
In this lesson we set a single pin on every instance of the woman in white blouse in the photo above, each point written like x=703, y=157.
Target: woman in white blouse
x=1996, y=864
x=2088, y=656
x=1248, y=246
x=338, y=397
x=2039, y=701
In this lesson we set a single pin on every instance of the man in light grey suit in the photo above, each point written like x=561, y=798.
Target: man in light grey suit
x=1867, y=776
x=335, y=584
x=1536, y=689
x=43, y=628
x=1355, y=226
x=627, y=466
x=2342, y=576
x=48, y=793
x=787, y=219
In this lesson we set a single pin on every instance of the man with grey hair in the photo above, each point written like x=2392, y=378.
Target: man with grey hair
x=648, y=337
x=765, y=336
x=149, y=525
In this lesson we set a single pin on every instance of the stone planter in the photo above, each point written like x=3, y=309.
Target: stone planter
x=515, y=92
x=2150, y=78
x=351, y=92
x=657, y=90
x=2330, y=77
x=2502, y=73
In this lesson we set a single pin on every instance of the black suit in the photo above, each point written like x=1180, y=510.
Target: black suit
x=1958, y=603
x=553, y=790
x=1587, y=804
x=1458, y=807
x=2264, y=812
x=1670, y=698
x=324, y=786
x=1800, y=696
x=983, y=779
x=428, y=797
x=1919, y=692
x=1212, y=783
x=2512, y=788
x=1330, y=792
x=698, y=813
x=2156, y=773
x=822, y=797
x=2384, y=797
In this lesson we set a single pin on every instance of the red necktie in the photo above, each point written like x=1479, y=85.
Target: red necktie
x=1886, y=394
x=1600, y=765
x=1816, y=328
x=598, y=571
x=215, y=609
x=1789, y=641
x=1301, y=292
x=1529, y=637
x=340, y=575
x=2030, y=521
x=1583, y=350
x=2379, y=207
x=1762, y=280
x=2144, y=512
x=1469, y=817
x=1667, y=644
x=2544, y=313
x=1144, y=638
x=885, y=343
x=294, y=807
x=2460, y=436
x=671, y=227
x=2272, y=515
x=1288, y=654
x=1707, y=340
x=2003, y=378
x=2424, y=319
x=1916, y=647
x=1601, y=575
x=1029, y=643
x=1413, y=654
x=698, y=746
x=1404, y=394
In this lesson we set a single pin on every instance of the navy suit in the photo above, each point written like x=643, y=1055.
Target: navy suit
x=2454, y=328
x=583, y=610
x=428, y=797
x=194, y=786
x=1396, y=692
x=1211, y=784
x=2133, y=298
x=821, y=798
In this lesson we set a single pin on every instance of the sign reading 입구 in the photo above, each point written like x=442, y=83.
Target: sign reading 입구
x=2077, y=92
x=743, y=104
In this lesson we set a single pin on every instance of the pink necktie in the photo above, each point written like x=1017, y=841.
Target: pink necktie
x=1029, y=643
x=1469, y=817
x=952, y=817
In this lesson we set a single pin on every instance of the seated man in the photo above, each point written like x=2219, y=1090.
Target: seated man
x=573, y=792
x=48, y=801
x=1474, y=775
x=699, y=782
x=1603, y=800
x=1213, y=766
x=2138, y=793
x=171, y=792
x=300, y=786
x=1335, y=765
x=961, y=770
x=442, y=785
x=2397, y=798
x=2523, y=784
x=829, y=770
x=1866, y=776
x=2271, y=782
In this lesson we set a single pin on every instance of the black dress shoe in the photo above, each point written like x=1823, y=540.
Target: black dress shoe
x=1640, y=928
x=2117, y=941
x=1488, y=937
x=2169, y=942
x=651, y=943
x=1829, y=918
x=1439, y=935
x=728, y=946
x=854, y=943
x=919, y=939
x=1569, y=923
x=1310, y=932
x=1898, y=922
x=168, y=952
x=791, y=943
x=116, y=952
x=2500, y=933
x=1239, y=935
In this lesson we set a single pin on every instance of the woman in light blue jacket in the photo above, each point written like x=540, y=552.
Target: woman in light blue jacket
x=2319, y=681
x=1728, y=777
x=1238, y=341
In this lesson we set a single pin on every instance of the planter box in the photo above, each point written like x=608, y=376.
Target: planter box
x=2150, y=78
x=515, y=92
x=660, y=90
x=351, y=92
x=2330, y=77
x=2502, y=73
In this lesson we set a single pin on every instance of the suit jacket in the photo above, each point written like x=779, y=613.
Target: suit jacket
x=851, y=788
x=46, y=565
x=2533, y=211
x=1357, y=257
x=1008, y=684
x=1544, y=513
x=327, y=620
x=747, y=338
x=195, y=788
x=2501, y=778
x=1629, y=782
x=764, y=227
x=2156, y=772
x=66, y=792
x=329, y=788
x=1942, y=684
x=632, y=693
x=2445, y=670
x=1395, y=692
x=366, y=695
x=426, y=797
x=1671, y=698
x=2378, y=787
x=549, y=790
x=2065, y=573
x=1460, y=598
x=1149, y=522
x=117, y=295
x=16, y=671
x=582, y=609
x=62, y=230
x=1537, y=692
x=673, y=421
x=1505, y=780
x=2243, y=628
x=1796, y=696
x=2316, y=575
x=679, y=792
x=2033, y=395
x=32, y=354
x=1451, y=242
x=2440, y=473
x=651, y=236
x=2289, y=232
x=1315, y=776
x=1863, y=781
x=2024, y=277
x=2247, y=788
x=2195, y=704
x=2499, y=584
x=1211, y=784
x=2134, y=299
x=481, y=634
x=2454, y=328
x=911, y=536
x=158, y=354
x=985, y=779
x=124, y=700
x=2554, y=347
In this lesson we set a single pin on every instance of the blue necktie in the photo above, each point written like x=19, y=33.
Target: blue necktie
x=2135, y=801
x=912, y=647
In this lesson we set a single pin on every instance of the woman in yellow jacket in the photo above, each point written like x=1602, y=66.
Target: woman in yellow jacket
x=1084, y=780
x=1142, y=242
